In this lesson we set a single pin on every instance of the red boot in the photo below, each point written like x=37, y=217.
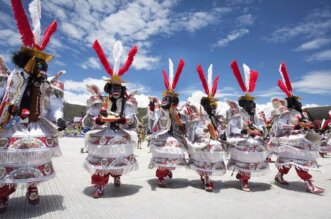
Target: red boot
x=208, y=184
x=170, y=174
x=98, y=192
x=3, y=204
x=117, y=181
x=32, y=195
x=244, y=185
x=313, y=189
x=161, y=182
x=279, y=178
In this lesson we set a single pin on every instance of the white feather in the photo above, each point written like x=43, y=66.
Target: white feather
x=210, y=78
x=35, y=13
x=171, y=72
x=322, y=124
x=281, y=74
x=247, y=72
x=117, y=54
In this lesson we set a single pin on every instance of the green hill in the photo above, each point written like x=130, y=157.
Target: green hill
x=73, y=110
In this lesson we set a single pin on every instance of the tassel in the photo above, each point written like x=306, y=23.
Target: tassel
x=178, y=73
x=102, y=57
x=203, y=79
x=22, y=23
x=129, y=61
x=93, y=89
x=284, y=89
x=215, y=85
x=166, y=80
x=237, y=74
x=285, y=76
x=48, y=34
x=252, y=80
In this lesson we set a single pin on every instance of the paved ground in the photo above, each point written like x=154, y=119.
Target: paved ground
x=69, y=194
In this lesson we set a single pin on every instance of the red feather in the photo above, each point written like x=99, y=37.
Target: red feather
x=326, y=123
x=286, y=77
x=128, y=61
x=102, y=57
x=284, y=89
x=252, y=80
x=203, y=79
x=166, y=79
x=48, y=34
x=213, y=92
x=317, y=124
x=237, y=74
x=178, y=73
x=22, y=23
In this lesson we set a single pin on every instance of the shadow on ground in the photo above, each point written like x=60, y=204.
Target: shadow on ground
x=112, y=191
x=48, y=203
x=175, y=183
x=235, y=184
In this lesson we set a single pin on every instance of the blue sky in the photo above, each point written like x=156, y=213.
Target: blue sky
x=259, y=33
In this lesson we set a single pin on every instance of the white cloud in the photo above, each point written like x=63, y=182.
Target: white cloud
x=245, y=20
x=9, y=37
x=316, y=24
x=234, y=35
x=313, y=44
x=320, y=56
x=315, y=82
x=76, y=92
x=92, y=63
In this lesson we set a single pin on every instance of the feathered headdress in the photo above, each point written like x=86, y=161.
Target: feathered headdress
x=251, y=76
x=210, y=87
x=32, y=42
x=170, y=82
x=117, y=72
x=285, y=84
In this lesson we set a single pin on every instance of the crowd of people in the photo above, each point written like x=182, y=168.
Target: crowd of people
x=31, y=118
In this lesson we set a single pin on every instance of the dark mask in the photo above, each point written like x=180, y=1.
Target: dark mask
x=116, y=91
x=294, y=103
x=249, y=106
x=166, y=102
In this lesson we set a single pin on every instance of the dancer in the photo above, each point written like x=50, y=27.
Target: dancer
x=111, y=145
x=205, y=149
x=167, y=147
x=245, y=134
x=28, y=138
x=294, y=144
x=324, y=130
x=93, y=110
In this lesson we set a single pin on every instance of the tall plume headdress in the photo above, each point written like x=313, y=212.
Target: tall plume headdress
x=116, y=72
x=247, y=86
x=285, y=84
x=170, y=82
x=33, y=44
x=209, y=86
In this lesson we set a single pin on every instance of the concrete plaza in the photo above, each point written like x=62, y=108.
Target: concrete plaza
x=69, y=195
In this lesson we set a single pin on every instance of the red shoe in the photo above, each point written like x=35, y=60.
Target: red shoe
x=161, y=183
x=3, y=204
x=170, y=174
x=209, y=186
x=322, y=155
x=269, y=160
x=244, y=185
x=313, y=189
x=117, y=181
x=279, y=178
x=32, y=195
x=98, y=192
